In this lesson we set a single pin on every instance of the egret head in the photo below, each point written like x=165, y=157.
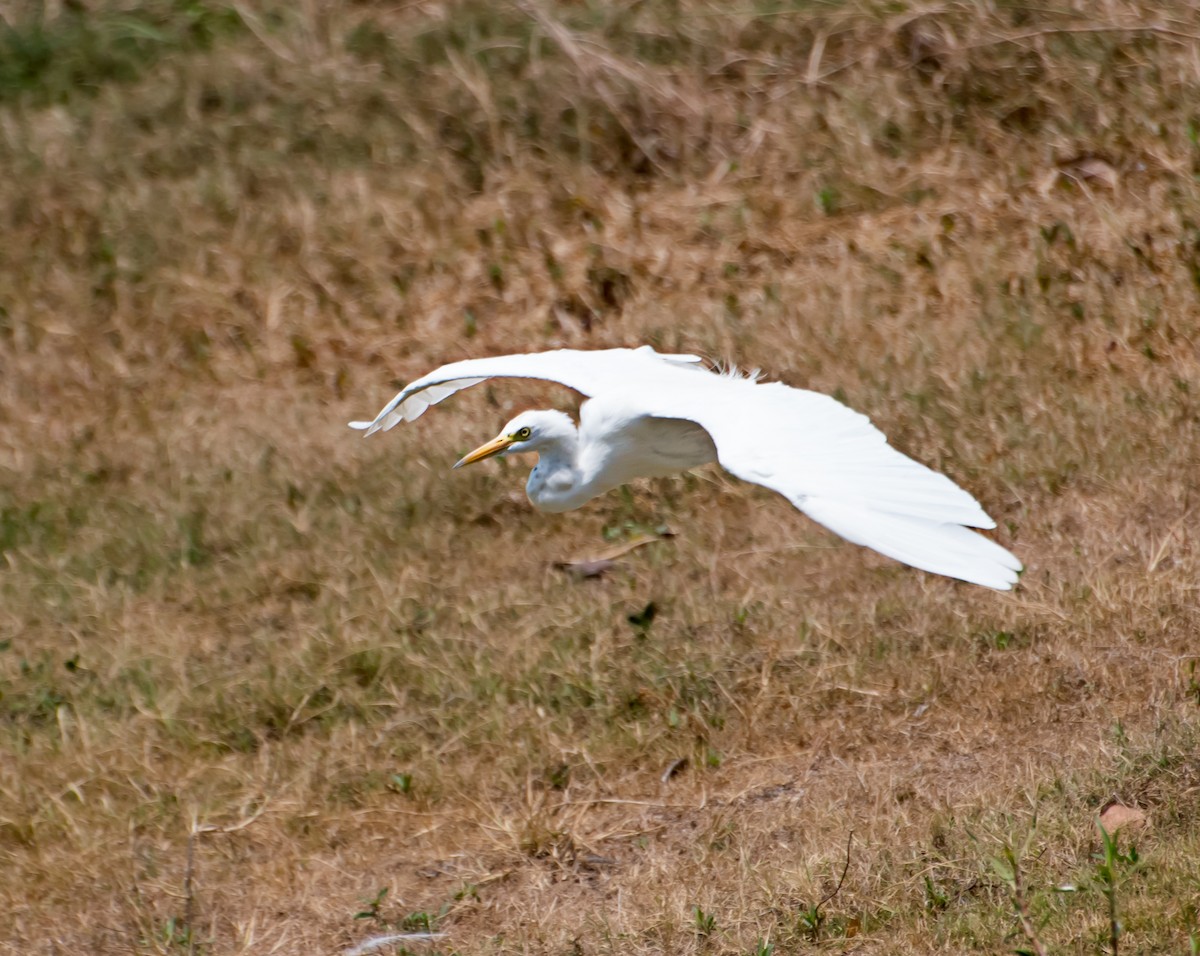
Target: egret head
x=529, y=431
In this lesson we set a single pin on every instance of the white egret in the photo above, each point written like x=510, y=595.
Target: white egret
x=651, y=415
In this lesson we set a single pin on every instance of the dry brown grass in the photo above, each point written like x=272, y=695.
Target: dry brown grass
x=329, y=666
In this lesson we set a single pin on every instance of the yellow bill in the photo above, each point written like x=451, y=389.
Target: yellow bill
x=494, y=447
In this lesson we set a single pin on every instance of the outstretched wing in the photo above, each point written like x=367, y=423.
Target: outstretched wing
x=589, y=372
x=839, y=469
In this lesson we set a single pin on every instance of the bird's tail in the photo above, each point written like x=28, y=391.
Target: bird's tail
x=941, y=548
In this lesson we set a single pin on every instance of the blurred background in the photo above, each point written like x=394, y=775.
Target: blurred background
x=268, y=687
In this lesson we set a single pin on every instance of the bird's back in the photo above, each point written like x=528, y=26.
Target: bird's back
x=621, y=443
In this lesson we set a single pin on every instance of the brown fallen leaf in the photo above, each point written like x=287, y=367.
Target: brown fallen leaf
x=1081, y=169
x=1093, y=169
x=1116, y=815
x=596, y=565
x=586, y=569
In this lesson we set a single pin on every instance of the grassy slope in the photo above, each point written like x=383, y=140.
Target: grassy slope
x=329, y=666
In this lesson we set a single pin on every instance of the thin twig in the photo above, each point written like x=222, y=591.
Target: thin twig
x=1161, y=550
x=260, y=33
x=1155, y=28
x=189, y=896
x=1114, y=923
x=1022, y=908
x=841, y=879
x=616, y=801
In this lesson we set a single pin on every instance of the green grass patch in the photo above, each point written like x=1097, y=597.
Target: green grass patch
x=79, y=51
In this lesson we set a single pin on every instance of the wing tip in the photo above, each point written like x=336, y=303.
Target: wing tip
x=1006, y=580
x=369, y=428
x=946, y=548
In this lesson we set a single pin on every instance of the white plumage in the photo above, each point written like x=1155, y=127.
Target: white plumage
x=651, y=415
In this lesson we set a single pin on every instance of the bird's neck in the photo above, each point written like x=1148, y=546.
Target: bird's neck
x=559, y=482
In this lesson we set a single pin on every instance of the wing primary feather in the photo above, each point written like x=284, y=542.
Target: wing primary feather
x=942, y=548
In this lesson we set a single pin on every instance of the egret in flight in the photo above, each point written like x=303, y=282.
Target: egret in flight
x=651, y=415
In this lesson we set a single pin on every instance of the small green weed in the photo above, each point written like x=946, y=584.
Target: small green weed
x=1112, y=869
x=372, y=906
x=1007, y=868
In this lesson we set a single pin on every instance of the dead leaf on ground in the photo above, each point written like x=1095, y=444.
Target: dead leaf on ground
x=1081, y=169
x=585, y=569
x=1093, y=169
x=1116, y=815
x=595, y=566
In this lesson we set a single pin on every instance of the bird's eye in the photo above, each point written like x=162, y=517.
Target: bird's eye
x=523, y=434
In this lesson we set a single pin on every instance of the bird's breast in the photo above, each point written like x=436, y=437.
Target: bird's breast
x=555, y=490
